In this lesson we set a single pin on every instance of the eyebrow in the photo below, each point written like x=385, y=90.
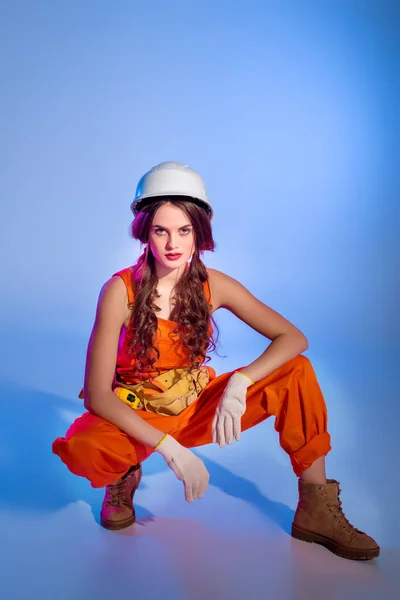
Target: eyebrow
x=166, y=228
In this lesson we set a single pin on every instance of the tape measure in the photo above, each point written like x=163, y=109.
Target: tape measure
x=128, y=397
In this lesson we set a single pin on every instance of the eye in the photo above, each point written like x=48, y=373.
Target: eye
x=185, y=230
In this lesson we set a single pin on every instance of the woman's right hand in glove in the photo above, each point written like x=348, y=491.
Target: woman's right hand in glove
x=188, y=467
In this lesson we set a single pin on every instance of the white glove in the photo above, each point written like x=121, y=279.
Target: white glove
x=232, y=405
x=188, y=467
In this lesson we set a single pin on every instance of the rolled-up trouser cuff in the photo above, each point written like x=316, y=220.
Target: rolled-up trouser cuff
x=302, y=459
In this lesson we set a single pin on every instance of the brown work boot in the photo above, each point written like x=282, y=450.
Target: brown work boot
x=117, y=510
x=319, y=518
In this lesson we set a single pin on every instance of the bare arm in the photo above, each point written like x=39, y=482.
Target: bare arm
x=287, y=340
x=100, y=366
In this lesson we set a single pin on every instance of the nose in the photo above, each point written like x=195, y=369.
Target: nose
x=171, y=245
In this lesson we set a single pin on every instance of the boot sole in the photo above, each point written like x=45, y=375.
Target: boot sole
x=353, y=554
x=114, y=526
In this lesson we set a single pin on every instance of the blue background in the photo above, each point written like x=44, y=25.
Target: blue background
x=289, y=110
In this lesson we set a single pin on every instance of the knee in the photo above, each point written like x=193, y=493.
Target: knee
x=84, y=439
x=79, y=446
x=301, y=362
x=302, y=367
x=83, y=444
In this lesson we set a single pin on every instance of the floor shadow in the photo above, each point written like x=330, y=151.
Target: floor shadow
x=239, y=487
x=36, y=480
x=32, y=475
x=33, y=478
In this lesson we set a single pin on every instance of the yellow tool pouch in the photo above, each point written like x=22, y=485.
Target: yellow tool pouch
x=166, y=394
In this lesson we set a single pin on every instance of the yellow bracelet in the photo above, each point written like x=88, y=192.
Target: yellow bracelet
x=161, y=441
x=241, y=372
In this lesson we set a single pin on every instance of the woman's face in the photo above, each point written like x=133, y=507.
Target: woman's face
x=171, y=232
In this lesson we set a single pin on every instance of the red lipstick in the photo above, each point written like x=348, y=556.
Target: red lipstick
x=173, y=256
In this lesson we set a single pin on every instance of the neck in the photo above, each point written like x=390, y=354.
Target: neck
x=168, y=278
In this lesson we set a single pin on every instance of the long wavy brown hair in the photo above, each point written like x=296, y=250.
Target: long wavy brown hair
x=191, y=311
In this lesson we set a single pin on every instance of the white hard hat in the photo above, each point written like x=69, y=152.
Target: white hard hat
x=172, y=179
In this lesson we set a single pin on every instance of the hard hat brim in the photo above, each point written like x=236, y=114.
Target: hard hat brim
x=138, y=204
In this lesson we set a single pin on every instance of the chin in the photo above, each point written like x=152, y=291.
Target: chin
x=173, y=263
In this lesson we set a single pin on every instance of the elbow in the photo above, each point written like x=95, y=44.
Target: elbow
x=91, y=401
x=298, y=340
x=97, y=402
x=86, y=399
x=94, y=406
x=303, y=341
x=88, y=404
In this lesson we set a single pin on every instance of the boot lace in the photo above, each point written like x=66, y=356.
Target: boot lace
x=336, y=508
x=117, y=494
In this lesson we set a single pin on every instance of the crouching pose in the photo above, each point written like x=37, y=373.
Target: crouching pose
x=147, y=388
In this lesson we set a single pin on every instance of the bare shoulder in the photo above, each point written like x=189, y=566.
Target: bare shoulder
x=103, y=343
x=113, y=300
x=218, y=282
x=227, y=292
x=214, y=282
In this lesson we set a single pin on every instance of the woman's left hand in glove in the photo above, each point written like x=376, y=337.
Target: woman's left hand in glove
x=232, y=405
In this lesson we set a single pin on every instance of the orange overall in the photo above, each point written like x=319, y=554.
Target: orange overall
x=96, y=449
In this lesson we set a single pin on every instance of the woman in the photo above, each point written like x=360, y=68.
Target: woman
x=153, y=321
